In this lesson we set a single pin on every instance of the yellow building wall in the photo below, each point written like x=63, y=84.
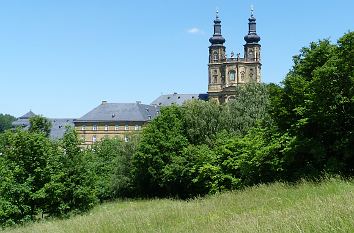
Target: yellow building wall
x=90, y=133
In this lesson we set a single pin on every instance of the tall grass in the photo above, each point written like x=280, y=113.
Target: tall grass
x=306, y=207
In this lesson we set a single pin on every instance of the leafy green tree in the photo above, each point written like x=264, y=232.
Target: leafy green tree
x=72, y=184
x=316, y=105
x=202, y=120
x=123, y=176
x=40, y=124
x=24, y=174
x=6, y=122
x=157, y=160
x=110, y=161
x=248, y=108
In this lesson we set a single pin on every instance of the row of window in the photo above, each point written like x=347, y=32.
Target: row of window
x=232, y=75
x=94, y=138
x=106, y=127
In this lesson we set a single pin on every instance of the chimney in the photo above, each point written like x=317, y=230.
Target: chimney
x=138, y=102
x=104, y=101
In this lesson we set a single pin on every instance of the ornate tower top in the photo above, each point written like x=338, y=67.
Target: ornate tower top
x=217, y=38
x=252, y=37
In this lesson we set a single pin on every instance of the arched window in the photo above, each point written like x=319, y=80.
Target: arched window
x=216, y=56
x=242, y=76
x=232, y=75
x=252, y=76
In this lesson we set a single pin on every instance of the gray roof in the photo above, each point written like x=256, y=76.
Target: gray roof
x=58, y=125
x=114, y=112
x=179, y=99
x=27, y=115
x=21, y=122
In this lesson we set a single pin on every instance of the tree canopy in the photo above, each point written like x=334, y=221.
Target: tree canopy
x=6, y=122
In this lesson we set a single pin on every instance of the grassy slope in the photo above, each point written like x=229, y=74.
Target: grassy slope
x=325, y=207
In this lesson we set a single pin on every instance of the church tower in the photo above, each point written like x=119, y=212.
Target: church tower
x=252, y=50
x=227, y=73
x=216, y=59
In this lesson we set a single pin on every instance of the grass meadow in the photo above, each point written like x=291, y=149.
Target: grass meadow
x=306, y=207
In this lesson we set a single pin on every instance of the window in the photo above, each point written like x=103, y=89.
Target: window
x=215, y=71
x=216, y=56
x=251, y=77
x=242, y=76
x=232, y=75
x=136, y=127
x=116, y=127
x=106, y=127
x=149, y=117
x=126, y=127
x=215, y=79
x=126, y=139
x=83, y=127
x=94, y=138
x=94, y=127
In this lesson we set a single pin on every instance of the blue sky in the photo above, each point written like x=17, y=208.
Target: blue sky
x=62, y=58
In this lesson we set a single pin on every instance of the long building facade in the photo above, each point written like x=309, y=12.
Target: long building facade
x=109, y=120
x=225, y=73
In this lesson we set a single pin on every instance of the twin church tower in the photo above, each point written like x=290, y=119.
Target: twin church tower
x=225, y=73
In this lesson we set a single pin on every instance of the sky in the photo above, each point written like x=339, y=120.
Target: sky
x=62, y=58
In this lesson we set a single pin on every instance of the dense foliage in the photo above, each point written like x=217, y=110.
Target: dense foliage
x=6, y=122
x=301, y=128
x=178, y=154
x=40, y=124
x=40, y=177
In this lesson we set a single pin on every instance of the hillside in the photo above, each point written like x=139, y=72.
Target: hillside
x=307, y=207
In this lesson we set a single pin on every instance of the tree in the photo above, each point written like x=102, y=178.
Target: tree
x=24, y=173
x=72, y=184
x=157, y=160
x=249, y=108
x=110, y=161
x=6, y=122
x=316, y=105
x=40, y=124
x=202, y=120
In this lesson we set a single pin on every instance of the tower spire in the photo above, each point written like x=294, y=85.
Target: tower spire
x=252, y=37
x=217, y=38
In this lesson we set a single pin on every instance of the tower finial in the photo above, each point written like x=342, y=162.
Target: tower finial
x=252, y=37
x=217, y=38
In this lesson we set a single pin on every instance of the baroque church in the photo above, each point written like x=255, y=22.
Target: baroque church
x=225, y=73
x=124, y=119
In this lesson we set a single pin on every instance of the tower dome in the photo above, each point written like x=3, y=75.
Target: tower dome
x=252, y=37
x=217, y=38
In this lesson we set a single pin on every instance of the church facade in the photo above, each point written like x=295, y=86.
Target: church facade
x=225, y=73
